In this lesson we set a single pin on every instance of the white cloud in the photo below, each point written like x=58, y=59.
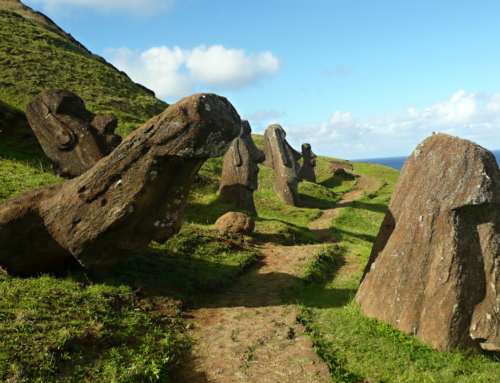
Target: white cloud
x=471, y=116
x=176, y=72
x=137, y=7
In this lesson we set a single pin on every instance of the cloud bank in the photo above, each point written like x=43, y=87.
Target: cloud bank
x=174, y=73
x=473, y=116
x=136, y=7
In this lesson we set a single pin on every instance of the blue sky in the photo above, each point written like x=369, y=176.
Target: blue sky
x=355, y=78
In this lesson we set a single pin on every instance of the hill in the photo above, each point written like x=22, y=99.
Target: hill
x=36, y=55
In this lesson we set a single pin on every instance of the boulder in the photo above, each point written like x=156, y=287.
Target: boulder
x=236, y=223
x=283, y=159
x=434, y=267
x=336, y=171
x=341, y=164
x=306, y=172
x=240, y=171
x=133, y=196
x=72, y=137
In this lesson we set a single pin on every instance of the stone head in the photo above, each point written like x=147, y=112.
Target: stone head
x=246, y=156
x=308, y=155
x=73, y=137
x=283, y=154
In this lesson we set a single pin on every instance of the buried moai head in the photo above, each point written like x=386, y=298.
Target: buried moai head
x=283, y=158
x=133, y=196
x=307, y=169
x=72, y=137
x=433, y=269
x=240, y=171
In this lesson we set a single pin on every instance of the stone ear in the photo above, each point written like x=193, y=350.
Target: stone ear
x=237, y=160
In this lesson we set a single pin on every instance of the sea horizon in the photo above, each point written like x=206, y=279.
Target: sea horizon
x=398, y=162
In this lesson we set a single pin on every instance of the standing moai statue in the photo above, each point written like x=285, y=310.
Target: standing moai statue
x=128, y=199
x=283, y=159
x=240, y=171
x=72, y=137
x=306, y=172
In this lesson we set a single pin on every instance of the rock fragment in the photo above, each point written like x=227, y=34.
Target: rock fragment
x=236, y=223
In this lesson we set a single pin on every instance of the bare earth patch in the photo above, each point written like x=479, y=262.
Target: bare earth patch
x=247, y=333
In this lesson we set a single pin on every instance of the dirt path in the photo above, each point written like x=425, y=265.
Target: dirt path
x=247, y=334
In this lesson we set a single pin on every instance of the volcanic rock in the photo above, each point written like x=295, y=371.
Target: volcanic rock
x=434, y=267
x=133, y=196
x=72, y=137
x=341, y=164
x=306, y=172
x=283, y=159
x=240, y=171
x=236, y=223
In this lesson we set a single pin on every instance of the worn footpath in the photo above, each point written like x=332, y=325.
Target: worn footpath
x=247, y=333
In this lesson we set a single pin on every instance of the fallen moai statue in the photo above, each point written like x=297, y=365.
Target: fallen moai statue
x=434, y=267
x=283, y=159
x=131, y=197
x=72, y=137
x=306, y=172
x=240, y=171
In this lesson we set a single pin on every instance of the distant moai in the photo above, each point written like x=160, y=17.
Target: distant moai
x=240, y=171
x=72, y=137
x=283, y=159
x=306, y=172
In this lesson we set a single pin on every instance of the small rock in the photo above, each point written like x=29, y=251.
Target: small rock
x=235, y=222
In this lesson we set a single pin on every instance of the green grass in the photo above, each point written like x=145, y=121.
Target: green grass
x=33, y=59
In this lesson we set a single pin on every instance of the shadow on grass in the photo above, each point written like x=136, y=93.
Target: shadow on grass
x=315, y=202
x=344, y=234
x=375, y=207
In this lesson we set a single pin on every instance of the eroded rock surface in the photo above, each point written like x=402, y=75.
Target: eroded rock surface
x=283, y=159
x=236, y=223
x=131, y=197
x=72, y=137
x=240, y=171
x=434, y=267
x=306, y=172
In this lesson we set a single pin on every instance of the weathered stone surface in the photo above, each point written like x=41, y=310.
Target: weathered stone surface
x=283, y=159
x=240, y=171
x=306, y=172
x=133, y=196
x=72, y=137
x=235, y=222
x=336, y=171
x=434, y=267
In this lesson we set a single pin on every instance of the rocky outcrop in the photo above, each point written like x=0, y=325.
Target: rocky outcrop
x=129, y=198
x=434, y=267
x=236, y=223
x=306, y=172
x=283, y=159
x=341, y=164
x=72, y=137
x=240, y=171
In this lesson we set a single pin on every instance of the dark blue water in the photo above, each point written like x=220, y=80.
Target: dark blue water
x=398, y=162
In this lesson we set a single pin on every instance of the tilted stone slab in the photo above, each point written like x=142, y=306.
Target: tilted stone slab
x=131, y=197
x=240, y=171
x=434, y=267
x=72, y=137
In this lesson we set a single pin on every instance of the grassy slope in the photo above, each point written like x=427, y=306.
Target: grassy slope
x=33, y=59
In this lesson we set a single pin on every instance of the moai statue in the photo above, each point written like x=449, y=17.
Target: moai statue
x=128, y=199
x=240, y=171
x=306, y=172
x=283, y=159
x=72, y=137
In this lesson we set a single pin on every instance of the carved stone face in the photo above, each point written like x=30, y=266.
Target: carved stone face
x=308, y=155
x=73, y=138
x=246, y=158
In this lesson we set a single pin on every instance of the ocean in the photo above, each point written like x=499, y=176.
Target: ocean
x=398, y=162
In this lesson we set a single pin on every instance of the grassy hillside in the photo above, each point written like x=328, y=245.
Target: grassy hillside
x=33, y=59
